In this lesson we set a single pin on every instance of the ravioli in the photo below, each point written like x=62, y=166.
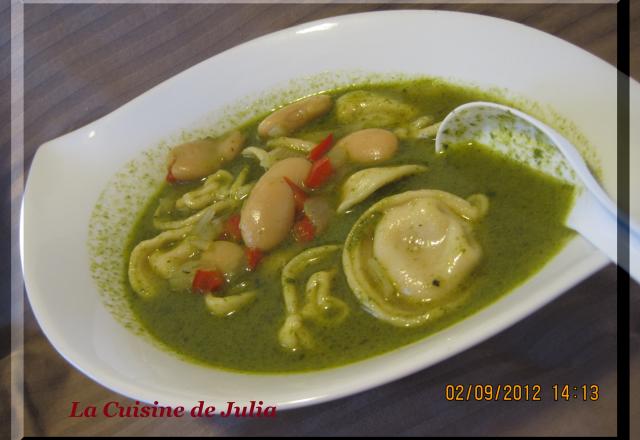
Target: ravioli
x=427, y=248
x=408, y=252
x=362, y=184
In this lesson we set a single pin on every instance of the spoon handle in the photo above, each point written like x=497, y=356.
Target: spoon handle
x=596, y=223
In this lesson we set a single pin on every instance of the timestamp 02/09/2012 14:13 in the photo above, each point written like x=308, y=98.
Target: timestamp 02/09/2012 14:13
x=521, y=392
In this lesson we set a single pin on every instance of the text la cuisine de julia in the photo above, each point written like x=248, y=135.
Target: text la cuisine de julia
x=138, y=410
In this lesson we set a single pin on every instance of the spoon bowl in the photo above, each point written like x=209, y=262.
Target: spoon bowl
x=516, y=134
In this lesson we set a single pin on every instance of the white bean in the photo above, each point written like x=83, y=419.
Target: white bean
x=197, y=159
x=268, y=213
x=369, y=145
x=290, y=118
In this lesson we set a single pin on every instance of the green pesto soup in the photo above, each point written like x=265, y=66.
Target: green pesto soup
x=330, y=231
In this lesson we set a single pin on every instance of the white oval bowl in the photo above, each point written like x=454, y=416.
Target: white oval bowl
x=69, y=173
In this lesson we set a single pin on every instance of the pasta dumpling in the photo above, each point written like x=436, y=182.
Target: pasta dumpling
x=370, y=109
x=362, y=184
x=412, y=250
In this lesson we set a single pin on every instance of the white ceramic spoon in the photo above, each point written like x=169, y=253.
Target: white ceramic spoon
x=594, y=214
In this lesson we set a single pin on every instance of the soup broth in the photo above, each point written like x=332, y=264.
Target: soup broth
x=523, y=227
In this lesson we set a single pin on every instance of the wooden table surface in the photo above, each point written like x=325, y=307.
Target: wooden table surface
x=84, y=61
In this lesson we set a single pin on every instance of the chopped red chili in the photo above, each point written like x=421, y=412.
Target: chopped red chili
x=170, y=177
x=320, y=172
x=254, y=256
x=303, y=230
x=299, y=196
x=321, y=149
x=207, y=281
x=232, y=228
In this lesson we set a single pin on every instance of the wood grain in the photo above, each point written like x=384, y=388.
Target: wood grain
x=84, y=61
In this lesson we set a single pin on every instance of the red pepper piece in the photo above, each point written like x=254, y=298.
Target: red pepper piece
x=232, y=228
x=254, y=256
x=170, y=177
x=207, y=281
x=320, y=172
x=303, y=230
x=299, y=196
x=321, y=149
